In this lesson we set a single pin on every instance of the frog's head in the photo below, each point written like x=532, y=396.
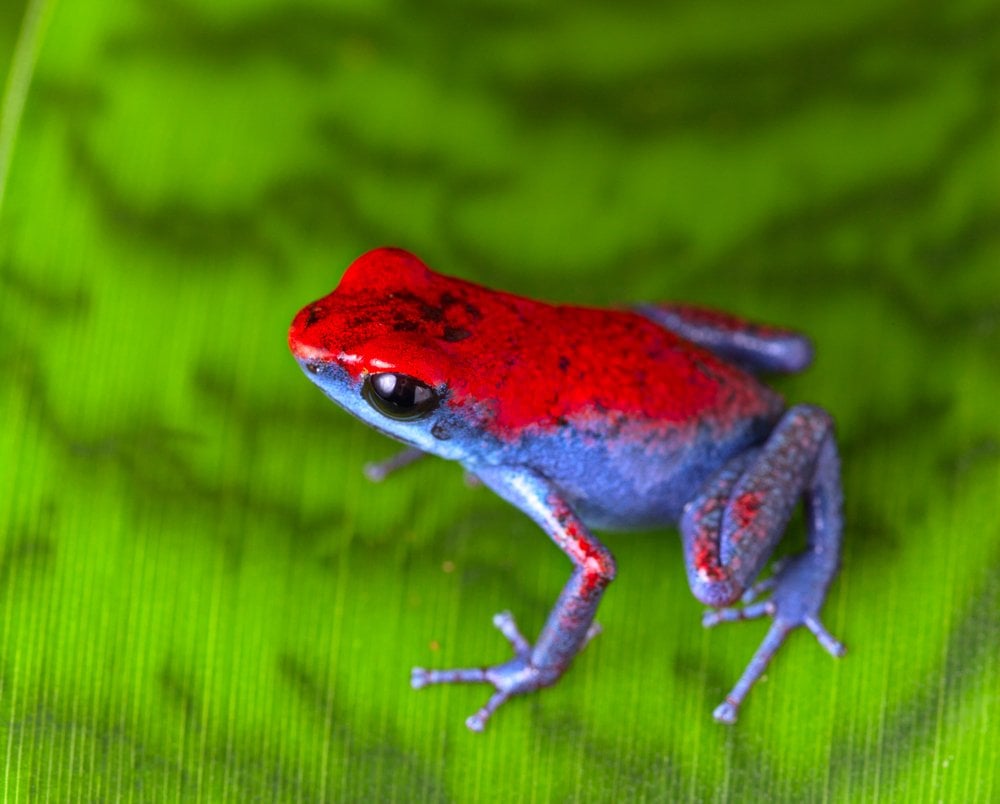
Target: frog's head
x=383, y=345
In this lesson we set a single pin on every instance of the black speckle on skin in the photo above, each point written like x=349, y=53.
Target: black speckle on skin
x=454, y=334
x=614, y=428
x=431, y=313
x=440, y=432
x=563, y=363
x=316, y=313
x=427, y=312
x=447, y=300
x=405, y=326
x=708, y=372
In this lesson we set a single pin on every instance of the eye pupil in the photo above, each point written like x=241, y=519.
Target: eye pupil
x=399, y=396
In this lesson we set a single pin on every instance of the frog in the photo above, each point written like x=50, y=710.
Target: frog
x=595, y=419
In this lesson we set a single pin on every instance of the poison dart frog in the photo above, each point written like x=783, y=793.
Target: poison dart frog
x=594, y=418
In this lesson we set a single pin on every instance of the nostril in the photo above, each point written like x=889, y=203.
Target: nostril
x=312, y=368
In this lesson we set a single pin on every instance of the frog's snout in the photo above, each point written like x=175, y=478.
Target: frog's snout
x=303, y=343
x=315, y=313
x=308, y=317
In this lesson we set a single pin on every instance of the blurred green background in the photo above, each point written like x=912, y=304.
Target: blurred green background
x=201, y=596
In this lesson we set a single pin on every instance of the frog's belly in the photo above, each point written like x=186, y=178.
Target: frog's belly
x=638, y=482
x=610, y=496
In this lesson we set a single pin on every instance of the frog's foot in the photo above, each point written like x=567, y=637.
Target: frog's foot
x=799, y=588
x=511, y=678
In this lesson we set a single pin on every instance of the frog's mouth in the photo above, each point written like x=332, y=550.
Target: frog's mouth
x=316, y=369
x=386, y=433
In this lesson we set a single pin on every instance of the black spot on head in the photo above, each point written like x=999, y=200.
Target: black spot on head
x=431, y=313
x=316, y=313
x=563, y=363
x=448, y=299
x=427, y=312
x=453, y=334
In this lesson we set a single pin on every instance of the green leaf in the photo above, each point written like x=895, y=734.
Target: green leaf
x=201, y=597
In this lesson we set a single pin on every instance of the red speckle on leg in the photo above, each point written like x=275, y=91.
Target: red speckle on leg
x=706, y=557
x=745, y=507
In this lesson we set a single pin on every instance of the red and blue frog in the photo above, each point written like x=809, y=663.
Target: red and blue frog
x=594, y=418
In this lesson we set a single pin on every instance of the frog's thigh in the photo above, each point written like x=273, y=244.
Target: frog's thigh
x=730, y=530
x=754, y=347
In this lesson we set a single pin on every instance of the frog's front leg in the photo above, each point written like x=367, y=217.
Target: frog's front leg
x=377, y=471
x=570, y=624
x=730, y=530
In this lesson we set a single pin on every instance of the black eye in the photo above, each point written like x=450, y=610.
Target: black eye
x=399, y=396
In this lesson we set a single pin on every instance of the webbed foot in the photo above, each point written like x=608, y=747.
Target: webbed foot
x=511, y=678
x=799, y=588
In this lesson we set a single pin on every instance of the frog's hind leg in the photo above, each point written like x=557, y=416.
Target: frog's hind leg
x=753, y=347
x=730, y=530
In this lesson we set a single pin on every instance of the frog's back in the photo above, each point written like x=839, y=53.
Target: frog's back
x=606, y=403
x=580, y=364
x=529, y=365
x=627, y=418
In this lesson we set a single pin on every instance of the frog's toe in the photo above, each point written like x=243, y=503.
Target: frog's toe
x=593, y=631
x=512, y=678
x=794, y=603
x=515, y=677
x=746, y=611
x=505, y=623
x=766, y=585
x=477, y=721
x=833, y=646
x=713, y=617
x=726, y=712
x=421, y=677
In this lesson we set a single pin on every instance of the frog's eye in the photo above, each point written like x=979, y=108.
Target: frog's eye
x=399, y=396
